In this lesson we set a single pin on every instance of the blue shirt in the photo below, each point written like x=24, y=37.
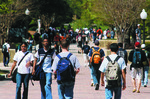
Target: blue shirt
x=97, y=48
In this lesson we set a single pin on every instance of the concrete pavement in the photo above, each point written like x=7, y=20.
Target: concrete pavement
x=82, y=89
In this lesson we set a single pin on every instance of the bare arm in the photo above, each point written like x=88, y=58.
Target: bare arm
x=102, y=79
x=12, y=68
x=34, y=64
x=124, y=79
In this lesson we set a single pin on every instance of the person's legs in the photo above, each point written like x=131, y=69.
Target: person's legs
x=117, y=92
x=4, y=59
x=26, y=84
x=8, y=58
x=133, y=75
x=18, y=86
x=61, y=91
x=48, y=86
x=140, y=73
x=146, y=69
x=92, y=84
x=94, y=75
x=69, y=90
x=42, y=85
x=108, y=93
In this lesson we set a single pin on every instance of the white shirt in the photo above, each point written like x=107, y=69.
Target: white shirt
x=7, y=45
x=47, y=61
x=121, y=63
x=22, y=69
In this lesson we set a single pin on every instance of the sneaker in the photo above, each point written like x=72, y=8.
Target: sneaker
x=145, y=85
x=96, y=87
x=134, y=90
x=92, y=84
x=138, y=91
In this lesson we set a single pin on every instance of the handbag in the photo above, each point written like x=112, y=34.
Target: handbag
x=39, y=73
x=13, y=78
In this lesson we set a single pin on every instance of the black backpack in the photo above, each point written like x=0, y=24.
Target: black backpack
x=137, y=59
x=4, y=48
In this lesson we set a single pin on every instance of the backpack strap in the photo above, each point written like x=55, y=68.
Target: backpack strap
x=117, y=58
x=108, y=58
x=99, y=49
x=93, y=49
x=69, y=55
x=59, y=56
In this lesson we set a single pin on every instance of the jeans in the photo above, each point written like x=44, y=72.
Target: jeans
x=144, y=80
x=109, y=93
x=19, y=79
x=6, y=58
x=96, y=74
x=46, y=86
x=65, y=90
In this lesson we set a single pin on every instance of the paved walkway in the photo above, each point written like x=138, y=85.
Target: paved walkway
x=82, y=89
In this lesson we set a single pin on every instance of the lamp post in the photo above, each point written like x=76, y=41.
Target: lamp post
x=143, y=16
x=27, y=12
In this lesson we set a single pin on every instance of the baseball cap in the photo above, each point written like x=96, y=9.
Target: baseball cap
x=143, y=46
x=96, y=42
x=138, y=25
x=137, y=44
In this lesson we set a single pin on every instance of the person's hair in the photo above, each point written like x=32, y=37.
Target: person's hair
x=44, y=39
x=6, y=40
x=24, y=44
x=120, y=44
x=86, y=42
x=114, y=47
x=64, y=43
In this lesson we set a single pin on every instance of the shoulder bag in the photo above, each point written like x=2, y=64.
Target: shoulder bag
x=13, y=78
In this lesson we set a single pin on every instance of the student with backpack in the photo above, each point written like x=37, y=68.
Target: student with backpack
x=112, y=68
x=137, y=57
x=66, y=65
x=96, y=56
x=6, y=55
x=123, y=53
x=146, y=64
x=46, y=81
x=85, y=51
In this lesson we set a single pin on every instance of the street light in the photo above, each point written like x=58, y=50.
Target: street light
x=143, y=16
x=27, y=12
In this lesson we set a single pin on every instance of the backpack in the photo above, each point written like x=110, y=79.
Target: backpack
x=121, y=53
x=113, y=73
x=86, y=49
x=137, y=61
x=4, y=48
x=96, y=57
x=79, y=38
x=65, y=69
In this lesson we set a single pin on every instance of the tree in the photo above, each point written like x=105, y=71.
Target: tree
x=121, y=14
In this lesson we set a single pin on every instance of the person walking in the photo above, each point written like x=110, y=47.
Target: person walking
x=123, y=53
x=138, y=34
x=106, y=69
x=6, y=54
x=146, y=63
x=85, y=51
x=96, y=56
x=137, y=57
x=30, y=43
x=23, y=73
x=68, y=65
x=45, y=83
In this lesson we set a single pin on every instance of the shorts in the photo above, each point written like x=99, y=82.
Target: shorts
x=137, y=72
x=85, y=57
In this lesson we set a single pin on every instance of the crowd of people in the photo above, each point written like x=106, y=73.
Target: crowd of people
x=109, y=71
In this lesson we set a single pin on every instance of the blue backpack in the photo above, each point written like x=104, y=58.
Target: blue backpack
x=65, y=69
x=137, y=61
x=4, y=48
